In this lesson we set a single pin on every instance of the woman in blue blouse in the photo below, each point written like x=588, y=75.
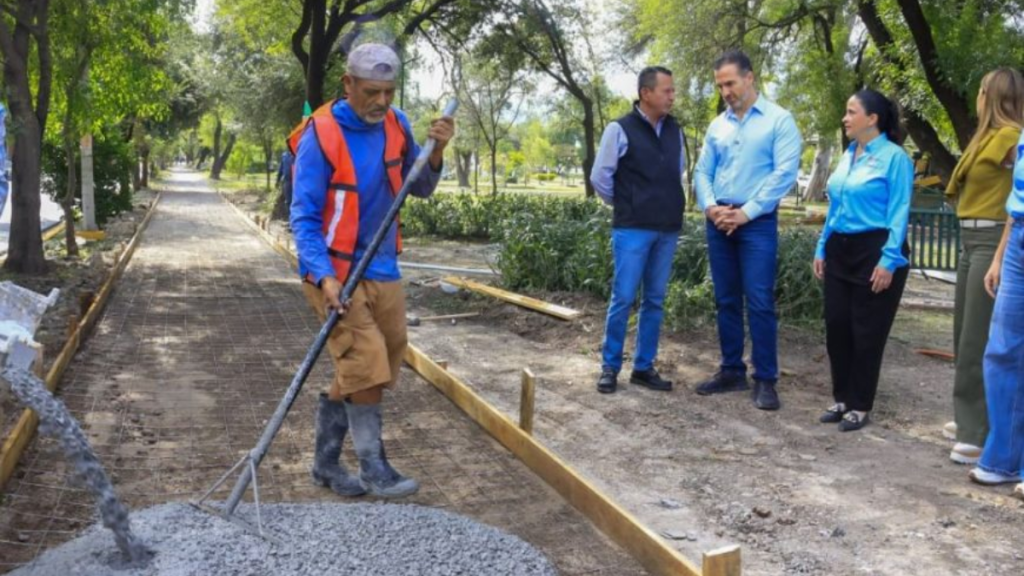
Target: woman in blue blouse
x=1002, y=459
x=862, y=253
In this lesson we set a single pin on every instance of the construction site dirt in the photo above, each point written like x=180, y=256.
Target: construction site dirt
x=800, y=497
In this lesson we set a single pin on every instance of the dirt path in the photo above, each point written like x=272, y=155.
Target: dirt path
x=800, y=497
x=199, y=341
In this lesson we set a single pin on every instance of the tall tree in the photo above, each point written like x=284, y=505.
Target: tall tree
x=24, y=41
x=493, y=95
x=314, y=41
x=547, y=38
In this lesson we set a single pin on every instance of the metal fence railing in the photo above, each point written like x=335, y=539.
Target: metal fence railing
x=934, y=238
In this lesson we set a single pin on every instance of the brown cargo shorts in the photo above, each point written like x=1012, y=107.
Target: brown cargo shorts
x=368, y=344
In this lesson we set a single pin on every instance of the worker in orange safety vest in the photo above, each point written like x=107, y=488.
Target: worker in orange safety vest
x=351, y=157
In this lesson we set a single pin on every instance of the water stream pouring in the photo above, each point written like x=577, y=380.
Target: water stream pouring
x=22, y=310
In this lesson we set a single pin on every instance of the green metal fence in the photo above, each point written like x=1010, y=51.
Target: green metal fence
x=934, y=237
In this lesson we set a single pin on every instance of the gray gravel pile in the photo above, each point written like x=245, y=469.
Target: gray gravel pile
x=56, y=421
x=350, y=539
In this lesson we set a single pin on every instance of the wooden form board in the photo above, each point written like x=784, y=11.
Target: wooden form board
x=619, y=525
x=15, y=443
x=525, y=301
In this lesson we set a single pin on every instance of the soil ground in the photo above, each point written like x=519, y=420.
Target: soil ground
x=798, y=496
x=192, y=355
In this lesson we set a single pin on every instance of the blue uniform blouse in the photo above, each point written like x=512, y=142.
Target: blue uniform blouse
x=872, y=193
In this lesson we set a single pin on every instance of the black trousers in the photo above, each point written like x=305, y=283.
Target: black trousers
x=857, y=321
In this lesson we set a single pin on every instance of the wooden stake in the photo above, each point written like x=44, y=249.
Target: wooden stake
x=450, y=316
x=526, y=402
x=722, y=562
x=39, y=368
x=560, y=312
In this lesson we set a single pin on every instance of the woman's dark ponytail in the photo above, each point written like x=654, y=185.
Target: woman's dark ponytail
x=888, y=113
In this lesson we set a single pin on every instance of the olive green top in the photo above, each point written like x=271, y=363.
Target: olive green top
x=982, y=179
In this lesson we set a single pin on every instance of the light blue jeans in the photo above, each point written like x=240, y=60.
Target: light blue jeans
x=1004, y=366
x=641, y=257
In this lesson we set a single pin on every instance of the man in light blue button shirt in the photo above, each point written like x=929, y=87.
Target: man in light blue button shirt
x=749, y=162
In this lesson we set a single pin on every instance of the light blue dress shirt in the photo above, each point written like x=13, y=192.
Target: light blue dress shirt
x=1015, y=203
x=872, y=193
x=751, y=162
x=614, y=145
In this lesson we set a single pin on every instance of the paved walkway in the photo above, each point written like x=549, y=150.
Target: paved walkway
x=191, y=357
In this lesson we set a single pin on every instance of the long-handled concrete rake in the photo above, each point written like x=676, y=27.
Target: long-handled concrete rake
x=251, y=461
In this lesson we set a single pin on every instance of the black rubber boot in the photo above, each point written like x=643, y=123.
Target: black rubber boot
x=328, y=471
x=375, y=473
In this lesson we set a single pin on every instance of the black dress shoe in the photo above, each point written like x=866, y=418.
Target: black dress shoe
x=833, y=414
x=650, y=379
x=765, y=396
x=608, y=381
x=724, y=381
x=851, y=422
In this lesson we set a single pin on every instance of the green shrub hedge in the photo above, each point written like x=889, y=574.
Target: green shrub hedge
x=564, y=244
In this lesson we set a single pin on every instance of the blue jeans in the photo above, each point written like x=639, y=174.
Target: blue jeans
x=743, y=268
x=1004, y=366
x=641, y=256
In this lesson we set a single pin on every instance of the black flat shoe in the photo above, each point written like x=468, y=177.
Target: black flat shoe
x=650, y=379
x=608, y=382
x=833, y=414
x=765, y=396
x=851, y=422
x=723, y=382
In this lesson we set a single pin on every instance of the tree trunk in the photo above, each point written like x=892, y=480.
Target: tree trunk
x=70, y=245
x=204, y=153
x=463, y=166
x=589, y=135
x=25, y=246
x=136, y=174
x=923, y=133
x=819, y=170
x=953, y=101
x=494, y=169
x=144, y=180
x=476, y=176
x=220, y=161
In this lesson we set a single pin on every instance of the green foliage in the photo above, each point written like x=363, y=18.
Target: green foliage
x=112, y=164
x=545, y=177
x=564, y=244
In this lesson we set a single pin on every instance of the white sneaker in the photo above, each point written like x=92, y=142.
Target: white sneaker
x=1018, y=491
x=991, y=478
x=949, y=431
x=965, y=453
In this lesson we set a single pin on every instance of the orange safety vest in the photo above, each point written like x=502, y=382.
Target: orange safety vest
x=341, y=211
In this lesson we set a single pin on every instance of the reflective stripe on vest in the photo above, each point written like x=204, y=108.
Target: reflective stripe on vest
x=341, y=210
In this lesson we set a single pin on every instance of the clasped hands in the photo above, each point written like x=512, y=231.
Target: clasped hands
x=726, y=218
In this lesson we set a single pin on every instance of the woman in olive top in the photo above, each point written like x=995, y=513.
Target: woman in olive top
x=862, y=253
x=980, y=186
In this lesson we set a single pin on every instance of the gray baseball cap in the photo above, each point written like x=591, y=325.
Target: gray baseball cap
x=374, y=62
